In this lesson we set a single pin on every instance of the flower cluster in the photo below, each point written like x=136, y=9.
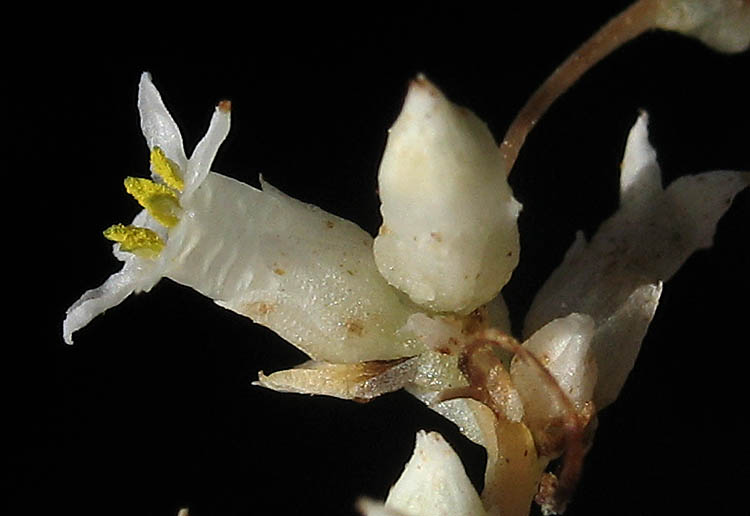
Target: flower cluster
x=419, y=306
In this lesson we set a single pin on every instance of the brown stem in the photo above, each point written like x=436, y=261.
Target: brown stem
x=633, y=21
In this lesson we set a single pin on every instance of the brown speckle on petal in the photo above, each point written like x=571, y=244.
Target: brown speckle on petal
x=355, y=327
x=258, y=309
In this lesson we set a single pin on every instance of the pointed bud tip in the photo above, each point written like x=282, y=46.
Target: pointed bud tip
x=422, y=97
x=421, y=84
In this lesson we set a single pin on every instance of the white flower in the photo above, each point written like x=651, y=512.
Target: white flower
x=616, y=277
x=306, y=274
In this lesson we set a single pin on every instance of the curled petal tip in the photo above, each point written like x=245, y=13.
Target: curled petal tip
x=225, y=106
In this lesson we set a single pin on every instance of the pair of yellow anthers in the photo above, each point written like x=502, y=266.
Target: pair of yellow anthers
x=161, y=202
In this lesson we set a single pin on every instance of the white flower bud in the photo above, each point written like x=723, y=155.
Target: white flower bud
x=434, y=482
x=449, y=237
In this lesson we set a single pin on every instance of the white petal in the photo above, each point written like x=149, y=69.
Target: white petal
x=135, y=275
x=563, y=347
x=434, y=482
x=696, y=203
x=368, y=507
x=644, y=242
x=205, y=152
x=158, y=127
x=306, y=274
x=513, y=468
x=617, y=342
x=640, y=176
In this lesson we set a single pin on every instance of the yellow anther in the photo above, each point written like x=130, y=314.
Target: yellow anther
x=142, y=242
x=166, y=169
x=160, y=201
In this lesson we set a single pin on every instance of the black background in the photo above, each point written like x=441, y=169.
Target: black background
x=153, y=409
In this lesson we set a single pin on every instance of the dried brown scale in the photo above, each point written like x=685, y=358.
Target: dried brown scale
x=487, y=378
x=548, y=486
x=376, y=367
x=475, y=321
x=577, y=434
x=490, y=383
x=225, y=106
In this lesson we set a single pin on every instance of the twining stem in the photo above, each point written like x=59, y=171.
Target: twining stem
x=633, y=21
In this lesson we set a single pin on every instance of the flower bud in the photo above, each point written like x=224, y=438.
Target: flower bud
x=449, y=237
